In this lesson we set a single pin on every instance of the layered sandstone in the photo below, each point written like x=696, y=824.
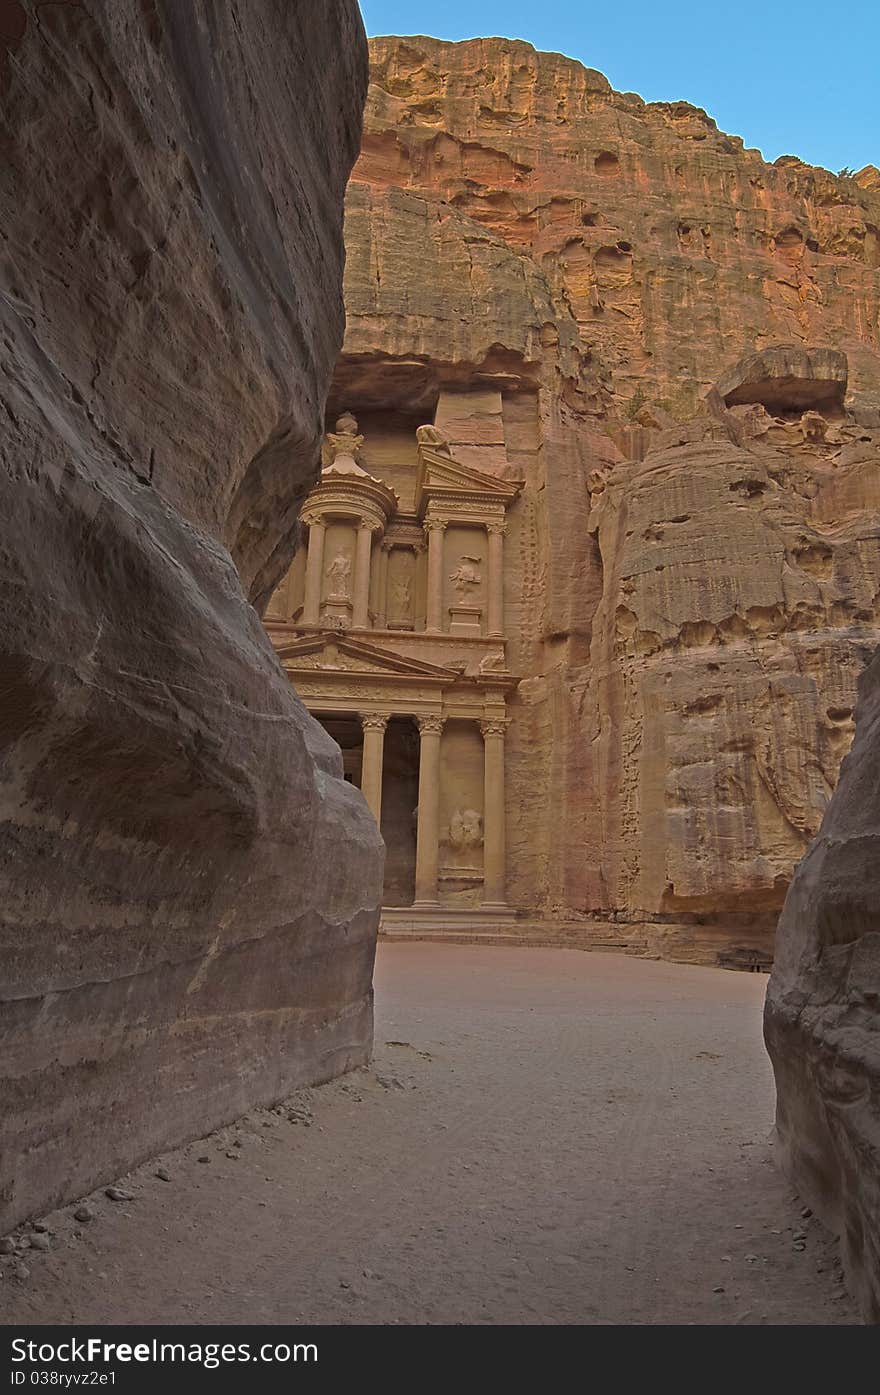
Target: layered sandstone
x=190, y=889
x=674, y=345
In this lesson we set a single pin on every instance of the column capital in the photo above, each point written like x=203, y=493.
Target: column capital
x=494, y=726
x=388, y=545
x=431, y=722
x=432, y=524
x=374, y=721
x=497, y=526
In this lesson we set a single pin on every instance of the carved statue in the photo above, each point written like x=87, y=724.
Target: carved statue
x=465, y=576
x=345, y=442
x=432, y=436
x=339, y=575
x=465, y=829
x=401, y=594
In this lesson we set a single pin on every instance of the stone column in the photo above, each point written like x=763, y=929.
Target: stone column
x=361, y=595
x=493, y=813
x=435, y=528
x=314, y=572
x=373, y=725
x=428, y=831
x=495, y=619
x=382, y=585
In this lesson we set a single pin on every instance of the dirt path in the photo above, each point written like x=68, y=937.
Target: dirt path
x=545, y=1136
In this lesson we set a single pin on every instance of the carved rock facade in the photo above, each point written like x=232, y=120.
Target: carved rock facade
x=173, y=944
x=671, y=348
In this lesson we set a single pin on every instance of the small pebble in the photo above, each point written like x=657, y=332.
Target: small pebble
x=40, y=1227
x=232, y=1155
x=719, y=1288
x=24, y=1242
x=163, y=1174
x=84, y=1213
x=204, y=1158
x=343, y=1284
x=7, y=1245
x=40, y=1242
x=798, y=1245
x=118, y=1194
x=751, y=1259
x=806, y=1213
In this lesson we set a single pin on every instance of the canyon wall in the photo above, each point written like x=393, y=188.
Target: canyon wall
x=674, y=344
x=189, y=887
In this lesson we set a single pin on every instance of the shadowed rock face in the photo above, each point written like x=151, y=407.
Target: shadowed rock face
x=189, y=887
x=822, y=1023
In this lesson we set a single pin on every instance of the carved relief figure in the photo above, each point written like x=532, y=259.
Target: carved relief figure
x=339, y=575
x=466, y=576
x=401, y=595
x=433, y=437
x=465, y=829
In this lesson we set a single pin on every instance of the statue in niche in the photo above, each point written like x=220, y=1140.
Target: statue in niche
x=401, y=595
x=339, y=576
x=434, y=438
x=465, y=829
x=344, y=443
x=466, y=576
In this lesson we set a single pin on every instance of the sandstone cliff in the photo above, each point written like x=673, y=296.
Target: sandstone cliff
x=675, y=345
x=189, y=888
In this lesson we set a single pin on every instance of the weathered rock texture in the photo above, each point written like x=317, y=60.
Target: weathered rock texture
x=675, y=346
x=189, y=888
x=822, y=1024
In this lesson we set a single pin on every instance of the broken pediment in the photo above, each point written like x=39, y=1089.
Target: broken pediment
x=442, y=477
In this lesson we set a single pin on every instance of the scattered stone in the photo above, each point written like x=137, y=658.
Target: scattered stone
x=40, y=1227
x=719, y=1288
x=118, y=1194
x=799, y=1235
x=806, y=1213
x=343, y=1284
x=233, y=1156
x=24, y=1242
x=21, y=1272
x=40, y=1242
x=388, y=1082
x=798, y=1245
x=204, y=1158
x=7, y=1245
x=84, y=1213
x=751, y=1259
x=163, y=1174
x=301, y=1114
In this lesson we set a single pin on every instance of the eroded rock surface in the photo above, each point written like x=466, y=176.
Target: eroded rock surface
x=189, y=887
x=675, y=346
x=822, y=1024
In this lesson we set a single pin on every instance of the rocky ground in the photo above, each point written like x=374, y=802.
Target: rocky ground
x=545, y=1136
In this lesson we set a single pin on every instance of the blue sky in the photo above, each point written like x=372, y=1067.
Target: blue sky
x=792, y=77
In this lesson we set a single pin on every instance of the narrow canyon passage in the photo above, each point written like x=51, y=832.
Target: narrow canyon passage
x=544, y=1136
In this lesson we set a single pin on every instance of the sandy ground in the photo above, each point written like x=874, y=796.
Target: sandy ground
x=545, y=1136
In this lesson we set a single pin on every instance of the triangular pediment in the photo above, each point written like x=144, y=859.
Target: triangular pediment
x=332, y=651
x=442, y=475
